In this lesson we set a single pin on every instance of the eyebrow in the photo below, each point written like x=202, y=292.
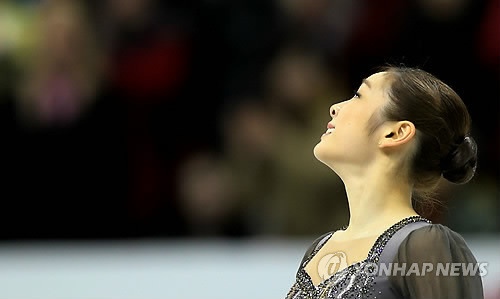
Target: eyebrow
x=367, y=83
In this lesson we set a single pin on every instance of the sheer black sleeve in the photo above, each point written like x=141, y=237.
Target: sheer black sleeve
x=438, y=246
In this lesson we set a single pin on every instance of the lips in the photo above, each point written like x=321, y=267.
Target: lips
x=330, y=129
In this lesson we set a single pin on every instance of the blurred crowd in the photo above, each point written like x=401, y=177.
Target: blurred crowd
x=143, y=118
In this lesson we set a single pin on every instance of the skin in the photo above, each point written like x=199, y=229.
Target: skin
x=372, y=167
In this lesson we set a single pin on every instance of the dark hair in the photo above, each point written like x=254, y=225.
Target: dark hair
x=444, y=146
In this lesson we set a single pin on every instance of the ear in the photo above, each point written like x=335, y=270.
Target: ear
x=401, y=133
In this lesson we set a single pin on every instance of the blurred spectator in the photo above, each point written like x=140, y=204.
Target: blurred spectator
x=322, y=24
x=207, y=199
x=61, y=72
x=443, y=10
x=270, y=149
x=149, y=53
x=249, y=132
x=305, y=191
x=149, y=50
x=489, y=36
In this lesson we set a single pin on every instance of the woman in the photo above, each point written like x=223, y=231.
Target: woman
x=390, y=144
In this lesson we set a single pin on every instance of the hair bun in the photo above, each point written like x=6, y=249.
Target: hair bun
x=460, y=164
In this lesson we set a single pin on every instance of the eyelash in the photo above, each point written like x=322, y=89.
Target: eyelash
x=356, y=94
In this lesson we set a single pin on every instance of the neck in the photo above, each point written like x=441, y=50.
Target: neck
x=376, y=201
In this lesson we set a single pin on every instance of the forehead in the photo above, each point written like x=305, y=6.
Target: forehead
x=378, y=80
x=377, y=91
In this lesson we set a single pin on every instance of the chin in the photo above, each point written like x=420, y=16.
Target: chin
x=320, y=152
x=324, y=153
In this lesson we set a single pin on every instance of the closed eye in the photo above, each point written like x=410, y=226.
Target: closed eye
x=356, y=94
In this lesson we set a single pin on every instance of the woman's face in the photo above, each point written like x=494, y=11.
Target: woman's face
x=349, y=143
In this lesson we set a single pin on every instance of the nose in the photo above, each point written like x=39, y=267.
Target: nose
x=334, y=110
